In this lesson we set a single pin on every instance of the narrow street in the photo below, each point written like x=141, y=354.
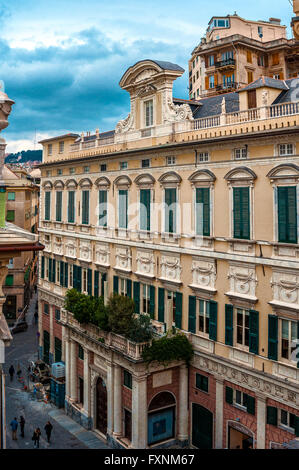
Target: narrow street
x=20, y=402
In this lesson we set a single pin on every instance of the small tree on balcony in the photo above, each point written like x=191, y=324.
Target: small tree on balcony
x=120, y=314
x=141, y=329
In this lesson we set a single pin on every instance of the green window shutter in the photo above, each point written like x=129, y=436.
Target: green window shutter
x=203, y=211
x=129, y=288
x=85, y=207
x=178, y=310
x=170, y=210
x=229, y=393
x=137, y=296
x=273, y=337
x=96, y=283
x=161, y=304
x=104, y=279
x=50, y=270
x=229, y=325
x=152, y=301
x=213, y=308
x=89, y=281
x=58, y=206
x=66, y=275
x=71, y=207
x=241, y=213
x=103, y=208
x=192, y=314
x=42, y=275
x=115, y=284
x=250, y=405
x=272, y=415
x=54, y=271
x=123, y=208
x=61, y=280
x=9, y=280
x=75, y=275
x=145, y=209
x=79, y=278
x=47, y=205
x=287, y=214
x=254, y=331
x=297, y=426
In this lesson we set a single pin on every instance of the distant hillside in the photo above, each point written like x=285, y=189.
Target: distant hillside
x=24, y=156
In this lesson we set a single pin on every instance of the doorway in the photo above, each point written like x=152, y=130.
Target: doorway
x=202, y=427
x=128, y=424
x=239, y=440
x=101, y=406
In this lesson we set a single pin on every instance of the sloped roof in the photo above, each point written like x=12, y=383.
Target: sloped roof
x=212, y=106
x=266, y=81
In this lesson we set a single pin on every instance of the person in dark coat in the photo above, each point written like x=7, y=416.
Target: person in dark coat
x=48, y=429
x=22, y=425
x=35, y=317
x=36, y=437
x=11, y=372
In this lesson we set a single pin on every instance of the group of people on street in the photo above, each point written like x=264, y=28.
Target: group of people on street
x=11, y=372
x=36, y=434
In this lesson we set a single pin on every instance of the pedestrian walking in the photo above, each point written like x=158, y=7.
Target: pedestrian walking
x=19, y=371
x=14, y=427
x=36, y=437
x=22, y=425
x=48, y=428
x=11, y=372
x=35, y=317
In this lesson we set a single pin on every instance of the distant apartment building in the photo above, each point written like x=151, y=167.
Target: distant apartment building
x=235, y=52
x=22, y=208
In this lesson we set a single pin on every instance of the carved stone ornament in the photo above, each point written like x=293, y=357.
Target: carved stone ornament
x=171, y=268
x=102, y=254
x=176, y=112
x=127, y=124
x=204, y=273
x=145, y=263
x=85, y=251
x=146, y=91
x=285, y=287
x=123, y=258
x=243, y=280
x=71, y=249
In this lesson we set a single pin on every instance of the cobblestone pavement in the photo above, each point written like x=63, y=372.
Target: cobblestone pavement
x=24, y=348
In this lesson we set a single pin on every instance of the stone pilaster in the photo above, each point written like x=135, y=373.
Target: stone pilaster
x=139, y=412
x=86, y=395
x=219, y=413
x=73, y=371
x=183, y=404
x=110, y=398
x=261, y=422
x=117, y=401
x=67, y=368
x=52, y=348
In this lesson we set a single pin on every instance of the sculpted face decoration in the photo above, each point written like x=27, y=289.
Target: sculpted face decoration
x=295, y=21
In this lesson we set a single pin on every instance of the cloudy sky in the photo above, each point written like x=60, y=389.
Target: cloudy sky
x=61, y=60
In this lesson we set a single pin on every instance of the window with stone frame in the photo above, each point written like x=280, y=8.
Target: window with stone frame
x=80, y=352
x=242, y=327
x=145, y=298
x=203, y=317
x=286, y=419
x=123, y=286
x=84, y=280
x=288, y=336
x=286, y=149
x=149, y=113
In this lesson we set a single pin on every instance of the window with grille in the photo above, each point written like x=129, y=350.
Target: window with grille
x=240, y=153
x=203, y=156
x=170, y=160
x=202, y=382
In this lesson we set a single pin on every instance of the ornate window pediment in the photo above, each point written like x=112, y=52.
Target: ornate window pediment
x=240, y=174
x=71, y=184
x=285, y=171
x=47, y=185
x=123, y=182
x=85, y=183
x=171, y=177
x=145, y=180
x=202, y=176
x=59, y=184
x=103, y=182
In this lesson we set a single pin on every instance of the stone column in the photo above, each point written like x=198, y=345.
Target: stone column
x=73, y=371
x=183, y=404
x=67, y=368
x=139, y=412
x=117, y=401
x=110, y=398
x=52, y=313
x=219, y=413
x=86, y=404
x=261, y=422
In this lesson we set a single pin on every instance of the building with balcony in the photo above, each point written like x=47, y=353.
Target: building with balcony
x=22, y=209
x=190, y=208
x=236, y=52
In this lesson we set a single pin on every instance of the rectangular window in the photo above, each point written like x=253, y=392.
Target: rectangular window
x=241, y=153
x=61, y=147
x=286, y=419
x=203, y=157
x=127, y=379
x=123, y=286
x=170, y=210
x=71, y=207
x=58, y=206
x=72, y=171
x=145, y=209
x=80, y=352
x=249, y=57
x=103, y=208
x=286, y=149
x=211, y=60
x=86, y=169
x=202, y=382
x=240, y=399
x=289, y=334
x=57, y=272
x=59, y=172
x=47, y=262
x=241, y=213
x=242, y=317
x=46, y=309
x=11, y=196
x=123, y=208
x=145, y=163
x=249, y=77
x=123, y=165
x=149, y=113
x=9, y=280
x=204, y=317
x=50, y=149
x=203, y=211
x=85, y=286
x=103, y=167
x=211, y=81
x=47, y=205
x=287, y=214
x=85, y=207
x=170, y=160
x=145, y=303
x=57, y=314
x=10, y=216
